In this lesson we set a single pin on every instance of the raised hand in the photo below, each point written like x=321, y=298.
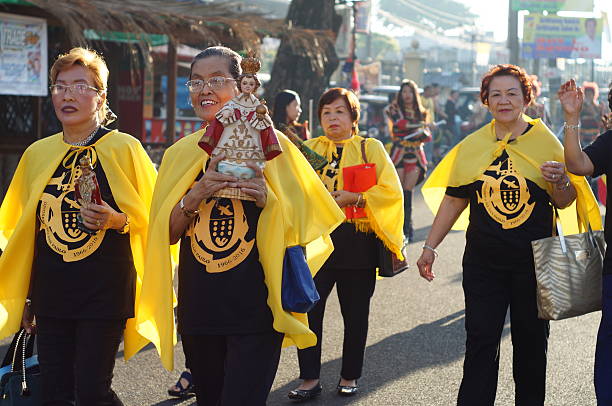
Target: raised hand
x=571, y=98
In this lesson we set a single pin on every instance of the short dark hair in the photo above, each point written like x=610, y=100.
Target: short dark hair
x=507, y=70
x=232, y=57
x=351, y=100
x=610, y=96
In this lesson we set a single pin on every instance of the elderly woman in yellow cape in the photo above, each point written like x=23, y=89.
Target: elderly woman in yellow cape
x=80, y=286
x=230, y=315
x=511, y=175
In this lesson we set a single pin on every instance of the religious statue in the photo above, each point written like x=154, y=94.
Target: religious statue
x=86, y=190
x=242, y=131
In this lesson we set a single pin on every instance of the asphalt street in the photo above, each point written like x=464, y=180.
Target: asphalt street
x=415, y=346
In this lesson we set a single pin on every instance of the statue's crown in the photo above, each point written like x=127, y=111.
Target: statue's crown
x=250, y=65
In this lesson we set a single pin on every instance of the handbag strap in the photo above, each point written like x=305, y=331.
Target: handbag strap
x=363, y=152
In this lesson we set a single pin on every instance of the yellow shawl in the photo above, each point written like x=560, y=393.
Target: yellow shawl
x=298, y=211
x=384, y=207
x=471, y=157
x=131, y=177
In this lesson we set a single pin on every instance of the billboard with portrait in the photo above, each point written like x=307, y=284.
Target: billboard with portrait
x=561, y=37
x=23, y=55
x=553, y=6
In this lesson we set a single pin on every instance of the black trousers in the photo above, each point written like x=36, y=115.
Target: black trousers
x=355, y=289
x=77, y=358
x=488, y=293
x=232, y=370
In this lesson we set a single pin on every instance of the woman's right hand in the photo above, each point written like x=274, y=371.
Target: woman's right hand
x=425, y=263
x=571, y=98
x=27, y=320
x=211, y=182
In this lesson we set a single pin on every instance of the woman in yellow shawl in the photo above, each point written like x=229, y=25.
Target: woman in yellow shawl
x=512, y=176
x=352, y=265
x=230, y=267
x=80, y=284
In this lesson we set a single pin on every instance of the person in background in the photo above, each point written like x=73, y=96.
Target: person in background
x=537, y=109
x=592, y=114
x=406, y=115
x=286, y=112
x=511, y=175
x=77, y=261
x=452, y=116
x=594, y=160
x=352, y=265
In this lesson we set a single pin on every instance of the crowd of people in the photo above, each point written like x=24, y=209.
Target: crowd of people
x=83, y=274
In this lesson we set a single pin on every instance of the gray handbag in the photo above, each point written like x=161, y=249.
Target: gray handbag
x=568, y=273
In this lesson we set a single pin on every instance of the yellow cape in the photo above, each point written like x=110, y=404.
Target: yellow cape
x=471, y=157
x=131, y=177
x=385, y=201
x=298, y=211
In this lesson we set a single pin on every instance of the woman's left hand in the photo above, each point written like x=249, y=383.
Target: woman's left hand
x=553, y=172
x=256, y=186
x=344, y=198
x=101, y=217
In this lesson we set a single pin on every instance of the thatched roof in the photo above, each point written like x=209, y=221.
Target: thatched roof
x=187, y=22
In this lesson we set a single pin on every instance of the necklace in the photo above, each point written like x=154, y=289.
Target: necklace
x=85, y=141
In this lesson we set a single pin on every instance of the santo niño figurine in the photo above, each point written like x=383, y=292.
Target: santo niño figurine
x=86, y=190
x=242, y=131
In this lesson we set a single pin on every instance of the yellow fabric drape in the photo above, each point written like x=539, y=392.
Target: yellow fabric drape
x=298, y=211
x=385, y=201
x=131, y=177
x=471, y=157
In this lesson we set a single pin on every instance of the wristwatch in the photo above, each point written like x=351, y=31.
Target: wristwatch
x=186, y=211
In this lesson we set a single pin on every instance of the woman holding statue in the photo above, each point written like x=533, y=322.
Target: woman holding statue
x=236, y=195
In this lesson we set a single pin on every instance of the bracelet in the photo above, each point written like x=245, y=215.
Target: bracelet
x=360, y=201
x=432, y=249
x=567, y=126
x=187, y=212
x=565, y=185
x=126, y=226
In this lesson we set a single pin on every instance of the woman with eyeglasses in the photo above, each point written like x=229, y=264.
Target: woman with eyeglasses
x=230, y=263
x=75, y=287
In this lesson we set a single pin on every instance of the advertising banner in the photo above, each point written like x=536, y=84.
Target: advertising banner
x=23, y=55
x=552, y=6
x=561, y=37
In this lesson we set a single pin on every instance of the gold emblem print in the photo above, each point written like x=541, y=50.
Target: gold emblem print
x=58, y=215
x=218, y=235
x=505, y=195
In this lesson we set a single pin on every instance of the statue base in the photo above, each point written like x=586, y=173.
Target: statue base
x=233, y=193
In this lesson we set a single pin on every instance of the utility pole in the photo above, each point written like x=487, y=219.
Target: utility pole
x=513, y=42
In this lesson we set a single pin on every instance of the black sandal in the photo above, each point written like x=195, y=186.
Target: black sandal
x=183, y=392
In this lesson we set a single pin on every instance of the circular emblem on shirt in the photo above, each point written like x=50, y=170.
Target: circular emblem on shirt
x=505, y=195
x=218, y=235
x=58, y=212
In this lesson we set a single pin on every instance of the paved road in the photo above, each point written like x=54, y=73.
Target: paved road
x=414, y=351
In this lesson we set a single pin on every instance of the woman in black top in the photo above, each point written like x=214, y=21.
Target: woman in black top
x=509, y=173
x=82, y=284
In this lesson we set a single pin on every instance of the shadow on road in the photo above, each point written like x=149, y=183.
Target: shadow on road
x=392, y=359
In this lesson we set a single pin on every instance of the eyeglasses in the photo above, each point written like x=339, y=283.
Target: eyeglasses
x=80, y=88
x=215, y=83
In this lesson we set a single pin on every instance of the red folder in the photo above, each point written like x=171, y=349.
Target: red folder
x=358, y=178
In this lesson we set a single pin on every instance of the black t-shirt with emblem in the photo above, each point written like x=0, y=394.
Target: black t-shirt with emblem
x=221, y=281
x=78, y=275
x=600, y=154
x=507, y=212
x=352, y=249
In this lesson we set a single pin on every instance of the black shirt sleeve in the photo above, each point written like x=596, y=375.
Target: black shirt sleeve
x=462, y=192
x=600, y=153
